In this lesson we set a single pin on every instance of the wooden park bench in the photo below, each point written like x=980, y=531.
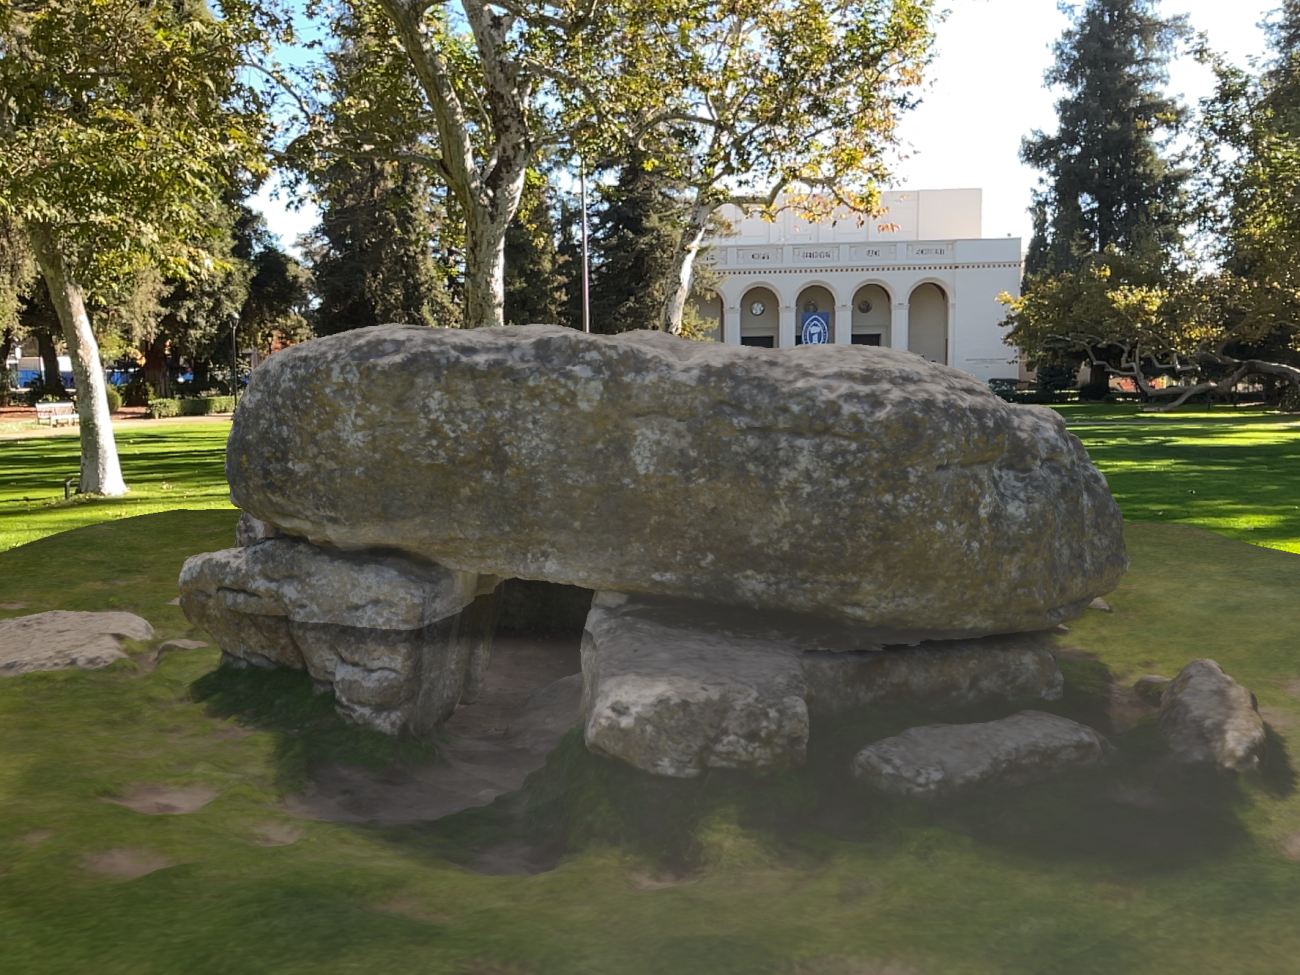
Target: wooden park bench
x=56, y=413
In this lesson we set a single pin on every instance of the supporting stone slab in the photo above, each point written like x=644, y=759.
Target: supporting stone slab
x=672, y=691
x=942, y=760
x=400, y=641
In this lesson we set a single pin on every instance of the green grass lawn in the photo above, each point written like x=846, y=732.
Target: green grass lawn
x=793, y=873
x=1123, y=870
x=174, y=466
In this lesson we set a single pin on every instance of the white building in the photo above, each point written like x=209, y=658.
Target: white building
x=919, y=277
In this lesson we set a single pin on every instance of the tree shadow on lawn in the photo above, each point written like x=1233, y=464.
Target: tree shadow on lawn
x=1141, y=815
x=307, y=729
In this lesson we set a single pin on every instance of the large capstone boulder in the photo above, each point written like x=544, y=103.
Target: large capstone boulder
x=864, y=485
x=401, y=641
x=941, y=760
x=1210, y=719
x=675, y=687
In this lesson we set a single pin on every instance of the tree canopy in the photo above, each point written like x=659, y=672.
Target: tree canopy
x=121, y=122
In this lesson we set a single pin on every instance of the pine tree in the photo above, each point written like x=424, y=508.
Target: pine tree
x=372, y=256
x=633, y=241
x=536, y=273
x=1109, y=180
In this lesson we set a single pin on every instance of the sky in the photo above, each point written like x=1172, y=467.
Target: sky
x=985, y=93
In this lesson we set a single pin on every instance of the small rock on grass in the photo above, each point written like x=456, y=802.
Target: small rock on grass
x=1208, y=718
x=61, y=639
x=1101, y=604
x=1151, y=687
x=940, y=760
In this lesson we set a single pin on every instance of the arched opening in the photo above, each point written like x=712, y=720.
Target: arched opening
x=815, y=302
x=708, y=314
x=871, y=316
x=760, y=318
x=927, y=323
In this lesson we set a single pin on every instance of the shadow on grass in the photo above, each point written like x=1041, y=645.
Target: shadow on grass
x=307, y=728
x=1139, y=815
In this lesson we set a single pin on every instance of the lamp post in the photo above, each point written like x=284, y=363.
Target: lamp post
x=586, y=292
x=234, y=356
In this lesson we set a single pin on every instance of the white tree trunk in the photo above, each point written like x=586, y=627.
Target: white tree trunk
x=679, y=279
x=100, y=471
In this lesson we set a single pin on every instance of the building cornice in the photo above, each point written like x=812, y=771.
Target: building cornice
x=806, y=269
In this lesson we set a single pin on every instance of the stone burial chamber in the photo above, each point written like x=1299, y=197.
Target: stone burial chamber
x=770, y=534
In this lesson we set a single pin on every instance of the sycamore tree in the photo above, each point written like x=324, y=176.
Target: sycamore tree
x=1138, y=319
x=775, y=103
x=1136, y=311
x=488, y=90
x=120, y=122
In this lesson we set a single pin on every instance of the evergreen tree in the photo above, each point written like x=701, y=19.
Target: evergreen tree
x=372, y=256
x=1108, y=179
x=536, y=274
x=633, y=243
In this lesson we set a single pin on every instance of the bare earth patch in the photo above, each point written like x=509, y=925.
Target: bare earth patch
x=1291, y=847
x=644, y=881
x=412, y=908
x=37, y=836
x=161, y=800
x=126, y=863
x=231, y=732
x=279, y=834
x=1125, y=705
x=14, y=605
x=1292, y=688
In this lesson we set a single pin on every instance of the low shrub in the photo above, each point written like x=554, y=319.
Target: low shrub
x=163, y=407
x=207, y=404
x=200, y=406
x=114, y=399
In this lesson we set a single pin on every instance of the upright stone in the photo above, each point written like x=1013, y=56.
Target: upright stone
x=863, y=485
x=400, y=640
x=676, y=687
x=1210, y=719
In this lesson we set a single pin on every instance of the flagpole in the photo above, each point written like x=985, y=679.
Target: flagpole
x=586, y=287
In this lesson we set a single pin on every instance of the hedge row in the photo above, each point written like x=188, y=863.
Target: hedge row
x=191, y=407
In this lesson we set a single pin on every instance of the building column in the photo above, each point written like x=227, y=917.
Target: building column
x=730, y=324
x=898, y=321
x=843, y=334
x=951, y=349
x=785, y=335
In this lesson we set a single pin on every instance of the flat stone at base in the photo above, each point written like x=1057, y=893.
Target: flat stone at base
x=935, y=674
x=61, y=639
x=941, y=760
x=1209, y=718
x=670, y=691
x=675, y=701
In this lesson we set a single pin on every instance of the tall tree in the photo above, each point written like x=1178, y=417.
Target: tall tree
x=385, y=249
x=1109, y=178
x=536, y=274
x=771, y=103
x=495, y=85
x=373, y=253
x=634, y=240
x=119, y=119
